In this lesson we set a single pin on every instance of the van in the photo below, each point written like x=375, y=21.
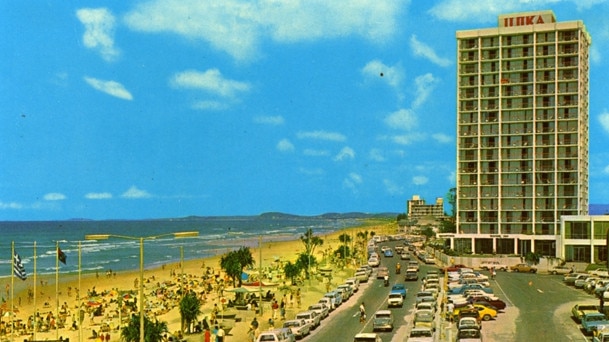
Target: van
x=277, y=335
x=337, y=298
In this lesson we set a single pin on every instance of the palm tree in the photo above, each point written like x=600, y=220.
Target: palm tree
x=153, y=331
x=234, y=262
x=310, y=242
x=190, y=308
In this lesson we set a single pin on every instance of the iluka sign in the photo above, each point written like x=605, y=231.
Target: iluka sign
x=526, y=19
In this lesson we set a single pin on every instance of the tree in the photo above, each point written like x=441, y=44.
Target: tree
x=451, y=198
x=305, y=261
x=190, y=308
x=448, y=226
x=234, y=262
x=344, y=239
x=532, y=258
x=311, y=242
x=153, y=331
x=291, y=270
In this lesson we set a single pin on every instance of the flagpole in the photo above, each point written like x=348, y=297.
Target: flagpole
x=12, y=289
x=35, y=308
x=78, y=296
x=57, y=292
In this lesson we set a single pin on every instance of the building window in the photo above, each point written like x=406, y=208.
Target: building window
x=577, y=230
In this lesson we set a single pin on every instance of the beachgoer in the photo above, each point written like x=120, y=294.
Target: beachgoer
x=275, y=307
x=254, y=323
x=207, y=335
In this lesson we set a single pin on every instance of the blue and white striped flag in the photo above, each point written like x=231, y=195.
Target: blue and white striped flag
x=18, y=267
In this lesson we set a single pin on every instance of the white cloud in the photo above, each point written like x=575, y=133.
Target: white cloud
x=269, y=120
x=376, y=155
x=407, y=139
x=109, y=87
x=316, y=153
x=98, y=195
x=392, y=188
x=481, y=11
x=420, y=180
x=606, y=169
x=424, y=86
x=403, y=119
x=421, y=49
x=604, y=121
x=442, y=138
x=237, y=27
x=99, y=31
x=377, y=70
x=10, y=205
x=345, y=153
x=209, y=105
x=54, y=196
x=210, y=81
x=352, y=181
x=285, y=145
x=134, y=193
x=321, y=135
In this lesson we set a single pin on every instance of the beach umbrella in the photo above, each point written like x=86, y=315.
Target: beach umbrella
x=244, y=276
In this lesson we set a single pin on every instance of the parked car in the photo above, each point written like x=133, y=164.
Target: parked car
x=354, y=283
x=327, y=302
x=405, y=256
x=277, y=335
x=322, y=309
x=494, y=301
x=488, y=264
x=469, y=323
x=484, y=313
x=411, y=274
x=560, y=270
x=374, y=262
x=453, y=268
x=362, y=276
x=469, y=335
x=523, y=268
x=300, y=328
x=420, y=334
x=310, y=317
x=569, y=279
x=424, y=318
x=383, y=320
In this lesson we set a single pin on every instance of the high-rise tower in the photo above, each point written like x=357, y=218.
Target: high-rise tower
x=522, y=133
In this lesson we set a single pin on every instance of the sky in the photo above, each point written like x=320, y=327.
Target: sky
x=170, y=108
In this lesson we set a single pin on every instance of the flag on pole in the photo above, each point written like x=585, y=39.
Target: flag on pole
x=18, y=267
x=61, y=255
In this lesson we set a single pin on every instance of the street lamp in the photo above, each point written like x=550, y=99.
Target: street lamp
x=176, y=235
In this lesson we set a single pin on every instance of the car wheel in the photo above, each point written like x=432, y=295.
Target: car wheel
x=486, y=317
x=533, y=271
x=516, y=270
x=554, y=272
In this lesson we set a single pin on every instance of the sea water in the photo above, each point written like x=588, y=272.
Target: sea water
x=217, y=235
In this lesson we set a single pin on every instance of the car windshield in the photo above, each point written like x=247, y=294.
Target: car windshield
x=423, y=317
x=291, y=324
x=420, y=333
x=469, y=333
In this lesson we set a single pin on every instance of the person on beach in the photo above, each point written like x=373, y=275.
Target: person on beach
x=275, y=307
x=220, y=334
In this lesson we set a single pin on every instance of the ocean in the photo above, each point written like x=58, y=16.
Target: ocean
x=217, y=235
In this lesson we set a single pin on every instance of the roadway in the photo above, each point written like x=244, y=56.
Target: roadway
x=539, y=307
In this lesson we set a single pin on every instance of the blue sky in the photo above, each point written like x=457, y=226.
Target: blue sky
x=167, y=108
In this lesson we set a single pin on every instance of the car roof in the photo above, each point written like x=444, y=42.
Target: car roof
x=383, y=312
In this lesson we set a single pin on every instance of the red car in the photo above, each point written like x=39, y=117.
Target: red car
x=494, y=301
x=454, y=268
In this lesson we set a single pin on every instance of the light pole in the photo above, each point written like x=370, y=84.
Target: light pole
x=141, y=281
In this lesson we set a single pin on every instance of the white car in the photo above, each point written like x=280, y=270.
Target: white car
x=310, y=317
x=421, y=334
x=374, y=262
x=300, y=328
x=327, y=302
x=395, y=299
x=487, y=265
x=354, y=283
x=322, y=309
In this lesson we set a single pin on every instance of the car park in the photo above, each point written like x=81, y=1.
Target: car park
x=383, y=320
x=300, y=328
x=523, y=268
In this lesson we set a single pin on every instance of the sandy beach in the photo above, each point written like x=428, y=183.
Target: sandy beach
x=100, y=291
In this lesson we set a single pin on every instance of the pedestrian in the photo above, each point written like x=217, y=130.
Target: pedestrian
x=450, y=308
x=282, y=310
x=275, y=308
x=298, y=297
x=220, y=335
x=207, y=335
x=362, y=313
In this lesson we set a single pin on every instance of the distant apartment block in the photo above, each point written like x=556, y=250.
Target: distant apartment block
x=416, y=208
x=522, y=133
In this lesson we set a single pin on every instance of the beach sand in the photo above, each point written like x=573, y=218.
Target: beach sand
x=165, y=281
